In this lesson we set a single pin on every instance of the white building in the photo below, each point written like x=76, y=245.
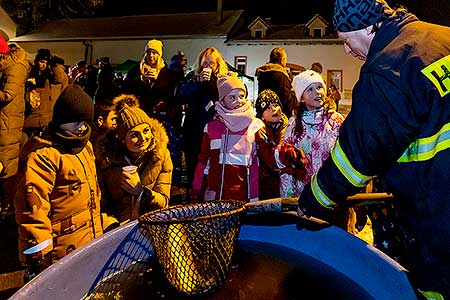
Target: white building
x=245, y=43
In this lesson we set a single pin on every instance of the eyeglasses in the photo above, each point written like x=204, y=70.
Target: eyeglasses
x=211, y=65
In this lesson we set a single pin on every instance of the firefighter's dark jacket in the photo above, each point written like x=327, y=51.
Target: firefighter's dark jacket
x=399, y=129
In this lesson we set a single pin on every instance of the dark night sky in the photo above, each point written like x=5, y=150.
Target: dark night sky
x=284, y=11
x=281, y=11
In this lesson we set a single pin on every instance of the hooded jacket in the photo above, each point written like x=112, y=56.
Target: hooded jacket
x=58, y=198
x=13, y=74
x=154, y=168
x=399, y=129
x=275, y=77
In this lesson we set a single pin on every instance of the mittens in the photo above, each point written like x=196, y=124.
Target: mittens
x=289, y=155
x=294, y=158
x=300, y=162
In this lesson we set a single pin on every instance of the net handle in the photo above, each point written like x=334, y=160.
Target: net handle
x=239, y=208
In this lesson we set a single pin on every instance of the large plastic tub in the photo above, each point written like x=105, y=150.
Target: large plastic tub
x=77, y=274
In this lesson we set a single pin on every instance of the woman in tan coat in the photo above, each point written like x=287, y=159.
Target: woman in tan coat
x=138, y=141
x=14, y=69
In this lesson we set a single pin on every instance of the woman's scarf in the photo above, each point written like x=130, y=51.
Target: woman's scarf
x=236, y=119
x=145, y=68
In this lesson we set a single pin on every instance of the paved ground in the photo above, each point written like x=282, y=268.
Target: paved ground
x=11, y=273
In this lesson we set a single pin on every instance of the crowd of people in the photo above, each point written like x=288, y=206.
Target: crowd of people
x=83, y=151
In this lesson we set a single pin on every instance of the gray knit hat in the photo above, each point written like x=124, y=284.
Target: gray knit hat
x=129, y=117
x=352, y=15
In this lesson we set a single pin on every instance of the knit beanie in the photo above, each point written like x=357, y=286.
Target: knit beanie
x=43, y=54
x=73, y=105
x=265, y=98
x=3, y=45
x=129, y=117
x=227, y=83
x=155, y=45
x=351, y=15
x=303, y=80
x=104, y=59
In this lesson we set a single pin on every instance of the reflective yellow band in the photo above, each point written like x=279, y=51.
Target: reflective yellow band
x=321, y=197
x=439, y=74
x=426, y=148
x=343, y=164
x=432, y=295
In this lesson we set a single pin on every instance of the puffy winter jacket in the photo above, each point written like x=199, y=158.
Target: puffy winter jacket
x=13, y=74
x=232, y=162
x=154, y=168
x=58, y=198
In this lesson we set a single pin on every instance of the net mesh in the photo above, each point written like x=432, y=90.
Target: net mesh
x=125, y=269
x=194, y=243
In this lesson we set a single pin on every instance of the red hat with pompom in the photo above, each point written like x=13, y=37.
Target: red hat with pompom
x=3, y=45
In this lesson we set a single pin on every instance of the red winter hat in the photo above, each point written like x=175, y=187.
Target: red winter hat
x=3, y=45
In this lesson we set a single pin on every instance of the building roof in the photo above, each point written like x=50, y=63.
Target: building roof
x=316, y=16
x=191, y=25
x=283, y=32
x=258, y=19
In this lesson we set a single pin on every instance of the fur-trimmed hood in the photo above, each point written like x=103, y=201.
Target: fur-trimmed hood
x=109, y=150
x=154, y=169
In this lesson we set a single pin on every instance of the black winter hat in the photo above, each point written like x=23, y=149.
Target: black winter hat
x=265, y=98
x=352, y=15
x=43, y=54
x=73, y=105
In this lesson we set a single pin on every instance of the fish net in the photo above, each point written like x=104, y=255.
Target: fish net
x=194, y=243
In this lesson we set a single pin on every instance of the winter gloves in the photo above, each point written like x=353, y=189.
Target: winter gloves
x=294, y=159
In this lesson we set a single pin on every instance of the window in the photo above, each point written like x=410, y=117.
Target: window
x=240, y=63
x=317, y=32
x=258, y=34
x=335, y=77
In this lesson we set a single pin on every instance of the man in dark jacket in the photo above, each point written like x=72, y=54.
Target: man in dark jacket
x=273, y=76
x=14, y=70
x=399, y=130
